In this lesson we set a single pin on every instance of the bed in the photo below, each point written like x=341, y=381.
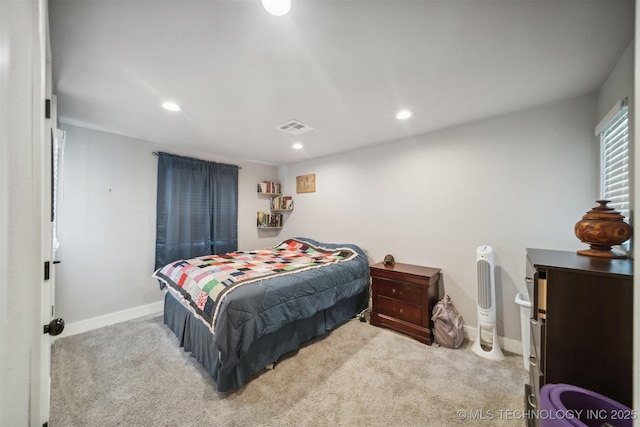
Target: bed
x=239, y=312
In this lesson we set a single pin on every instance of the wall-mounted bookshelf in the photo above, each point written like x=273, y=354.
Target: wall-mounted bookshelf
x=269, y=187
x=267, y=220
x=282, y=203
x=277, y=204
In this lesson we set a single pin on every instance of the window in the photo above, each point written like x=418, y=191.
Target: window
x=614, y=163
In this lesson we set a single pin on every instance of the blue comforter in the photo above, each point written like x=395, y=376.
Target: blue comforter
x=259, y=308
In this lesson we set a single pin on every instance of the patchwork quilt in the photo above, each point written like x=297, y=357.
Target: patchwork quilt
x=205, y=282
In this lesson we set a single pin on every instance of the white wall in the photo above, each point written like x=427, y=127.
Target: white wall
x=107, y=222
x=515, y=181
x=618, y=85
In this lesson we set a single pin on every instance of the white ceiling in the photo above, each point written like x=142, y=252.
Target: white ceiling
x=343, y=67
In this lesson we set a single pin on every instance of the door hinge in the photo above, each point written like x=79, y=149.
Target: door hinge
x=47, y=108
x=47, y=270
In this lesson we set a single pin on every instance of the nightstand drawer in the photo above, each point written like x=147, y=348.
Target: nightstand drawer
x=397, y=290
x=399, y=310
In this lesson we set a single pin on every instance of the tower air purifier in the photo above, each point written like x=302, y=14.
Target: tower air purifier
x=486, y=304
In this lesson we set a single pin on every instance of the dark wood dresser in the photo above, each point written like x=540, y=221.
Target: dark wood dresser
x=403, y=296
x=581, y=323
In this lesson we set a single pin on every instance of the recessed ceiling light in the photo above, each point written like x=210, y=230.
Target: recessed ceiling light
x=403, y=115
x=171, y=106
x=277, y=7
x=297, y=146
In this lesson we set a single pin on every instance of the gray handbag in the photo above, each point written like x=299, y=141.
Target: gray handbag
x=448, y=325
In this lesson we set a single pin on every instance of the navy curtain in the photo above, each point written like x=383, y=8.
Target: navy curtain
x=197, y=208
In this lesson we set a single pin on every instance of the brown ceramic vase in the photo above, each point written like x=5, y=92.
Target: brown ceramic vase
x=601, y=228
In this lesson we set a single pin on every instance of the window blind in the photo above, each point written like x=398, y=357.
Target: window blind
x=614, y=171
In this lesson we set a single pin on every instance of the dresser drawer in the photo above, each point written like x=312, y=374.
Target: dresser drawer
x=537, y=342
x=536, y=380
x=399, y=310
x=398, y=290
x=530, y=406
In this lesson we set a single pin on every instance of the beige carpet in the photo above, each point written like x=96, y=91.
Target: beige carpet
x=134, y=374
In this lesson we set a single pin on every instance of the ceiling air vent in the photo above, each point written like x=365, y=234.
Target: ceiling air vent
x=294, y=127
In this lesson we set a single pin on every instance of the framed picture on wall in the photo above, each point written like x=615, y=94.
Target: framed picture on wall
x=306, y=183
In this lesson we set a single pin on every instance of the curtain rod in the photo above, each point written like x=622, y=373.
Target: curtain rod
x=155, y=153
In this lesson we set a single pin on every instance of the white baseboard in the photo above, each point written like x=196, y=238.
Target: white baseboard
x=506, y=344
x=111, y=318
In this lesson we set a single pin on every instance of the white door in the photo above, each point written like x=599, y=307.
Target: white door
x=50, y=325
x=46, y=306
x=23, y=196
x=46, y=311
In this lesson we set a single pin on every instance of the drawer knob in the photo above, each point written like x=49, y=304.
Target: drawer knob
x=532, y=361
x=528, y=279
x=400, y=310
x=393, y=291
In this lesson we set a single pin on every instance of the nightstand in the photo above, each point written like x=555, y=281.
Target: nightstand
x=403, y=296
